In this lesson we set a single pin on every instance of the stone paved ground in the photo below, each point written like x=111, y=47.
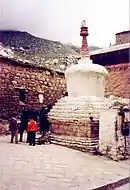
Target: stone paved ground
x=52, y=167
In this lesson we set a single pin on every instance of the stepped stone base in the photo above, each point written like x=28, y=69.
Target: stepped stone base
x=78, y=108
x=78, y=143
x=71, y=122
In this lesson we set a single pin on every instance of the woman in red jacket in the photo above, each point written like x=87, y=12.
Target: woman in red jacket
x=32, y=129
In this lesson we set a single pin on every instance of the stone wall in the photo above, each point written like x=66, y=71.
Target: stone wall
x=118, y=81
x=77, y=134
x=86, y=129
x=123, y=37
x=15, y=76
x=78, y=143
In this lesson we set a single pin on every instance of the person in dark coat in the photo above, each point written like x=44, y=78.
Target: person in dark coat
x=44, y=122
x=48, y=124
x=23, y=123
x=49, y=107
x=14, y=127
x=35, y=115
x=42, y=118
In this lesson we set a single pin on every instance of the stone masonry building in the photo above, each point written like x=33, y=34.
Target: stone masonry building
x=117, y=61
x=21, y=84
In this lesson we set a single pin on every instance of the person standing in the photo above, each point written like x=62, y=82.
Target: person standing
x=44, y=122
x=47, y=123
x=14, y=127
x=23, y=124
x=32, y=129
x=49, y=107
x=42, y=118
x=30, y=114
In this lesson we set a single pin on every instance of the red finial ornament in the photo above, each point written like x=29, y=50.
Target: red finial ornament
x=84, y=51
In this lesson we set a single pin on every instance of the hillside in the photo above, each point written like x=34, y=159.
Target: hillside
x=29, y=48
x=77, y=49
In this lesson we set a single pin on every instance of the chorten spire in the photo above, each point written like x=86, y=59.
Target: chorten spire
x=84, y=51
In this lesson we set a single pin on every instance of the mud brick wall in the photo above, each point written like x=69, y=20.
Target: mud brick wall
x=35, y=81
x=123, y=37
x=118, y=80
x=78, y=135
x=86, y=129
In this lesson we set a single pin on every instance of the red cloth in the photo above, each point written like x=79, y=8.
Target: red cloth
x=32, y=126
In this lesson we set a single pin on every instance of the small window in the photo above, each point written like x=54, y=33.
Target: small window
x=41, y=97
x=22, y=95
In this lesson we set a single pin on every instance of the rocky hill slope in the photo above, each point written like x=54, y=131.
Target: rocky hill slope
x=23, y=41
x=29, y=48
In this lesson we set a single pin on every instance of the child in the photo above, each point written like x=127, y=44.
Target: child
x=32, y=129
x=14, y=127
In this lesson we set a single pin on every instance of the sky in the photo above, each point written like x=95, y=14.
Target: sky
x=60, y=20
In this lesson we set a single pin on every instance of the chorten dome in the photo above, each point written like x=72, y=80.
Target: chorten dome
x=86, y=79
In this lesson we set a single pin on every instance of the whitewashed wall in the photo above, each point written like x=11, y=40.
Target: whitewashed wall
x=107, y=142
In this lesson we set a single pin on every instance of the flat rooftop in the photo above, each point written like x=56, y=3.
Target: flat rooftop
x=111, y=49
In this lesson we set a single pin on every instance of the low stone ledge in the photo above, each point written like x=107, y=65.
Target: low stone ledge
x=78, y=143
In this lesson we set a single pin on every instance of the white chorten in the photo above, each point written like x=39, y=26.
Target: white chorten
x=85, y=87
x=76, y=116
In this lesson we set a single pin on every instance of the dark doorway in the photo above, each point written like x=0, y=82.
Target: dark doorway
x=22, y=95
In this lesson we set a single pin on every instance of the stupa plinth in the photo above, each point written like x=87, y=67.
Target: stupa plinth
x=77, y=115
